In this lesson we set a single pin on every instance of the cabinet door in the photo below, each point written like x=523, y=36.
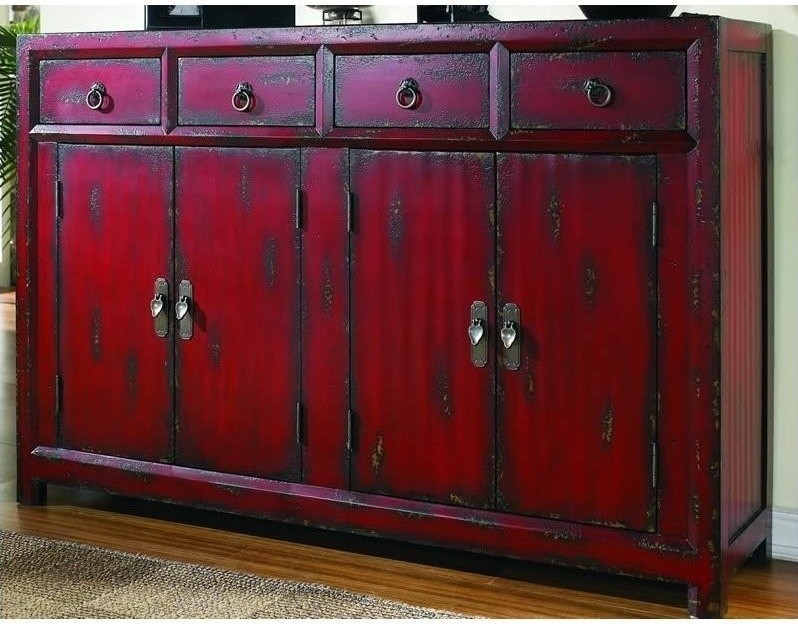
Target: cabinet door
x=238, y=375
x=422, y=253
x=577, y=420
x=115, y=240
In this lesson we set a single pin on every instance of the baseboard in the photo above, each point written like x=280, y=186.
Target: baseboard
x=785, y=534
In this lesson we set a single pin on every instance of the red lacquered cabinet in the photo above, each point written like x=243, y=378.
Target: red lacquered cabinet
x=502, y=288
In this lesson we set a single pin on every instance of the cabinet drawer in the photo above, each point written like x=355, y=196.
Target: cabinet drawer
x=646, y=90
x=100, y=91
x=268, y=91
x=449, y=91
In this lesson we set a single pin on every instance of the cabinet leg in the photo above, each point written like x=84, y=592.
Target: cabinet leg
x=763, y=553
x=706, y=601
x=32, y=492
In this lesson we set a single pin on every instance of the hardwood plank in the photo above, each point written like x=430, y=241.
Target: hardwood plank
x=430, y=577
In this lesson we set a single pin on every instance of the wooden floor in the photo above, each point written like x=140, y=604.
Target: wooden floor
x=470, y=584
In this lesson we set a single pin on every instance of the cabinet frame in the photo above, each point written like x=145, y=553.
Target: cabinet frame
x=700, y=546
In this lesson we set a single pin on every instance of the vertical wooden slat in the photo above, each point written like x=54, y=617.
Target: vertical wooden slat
x=325, y=310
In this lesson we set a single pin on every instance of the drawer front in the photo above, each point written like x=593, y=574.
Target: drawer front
x=647, y=91
x=282, y=91
x=452, y=91
x=132, y=91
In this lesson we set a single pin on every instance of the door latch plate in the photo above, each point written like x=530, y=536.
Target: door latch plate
x=478, y=334
x=185, y=294
x=511, y=317
x=160, y=301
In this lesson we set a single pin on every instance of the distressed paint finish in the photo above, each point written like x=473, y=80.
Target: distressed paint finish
x=695, y=542
x=133, y=91
x=283, y=88
x=114, y=241
x=578, y=447
x=648, y=90
x=238, y=376
x=746, y=271
x=484, y=531
x=46, y=293
x=677, y=387
x=422, y=408
x=741, y=288
x=325, y=316
x=453, y=91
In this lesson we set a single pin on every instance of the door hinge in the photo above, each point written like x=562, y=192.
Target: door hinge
x=654, y=223
x=654, y=465
x=350, y=431
x=299, y=424
x=298, y=209
x=350, y=210
x=59, y=192
x=58, y=394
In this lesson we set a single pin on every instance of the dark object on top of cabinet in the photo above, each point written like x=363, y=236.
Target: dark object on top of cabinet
x=453, y=13
x=626, y=11
x=195, y=16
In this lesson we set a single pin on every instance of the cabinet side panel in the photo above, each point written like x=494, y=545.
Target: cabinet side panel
x=325, y=322
x=741, y=289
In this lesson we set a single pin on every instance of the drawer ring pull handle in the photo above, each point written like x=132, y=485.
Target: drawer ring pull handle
x=408, y=95
x=95, y=96
x=598, y=93
x=242, y=97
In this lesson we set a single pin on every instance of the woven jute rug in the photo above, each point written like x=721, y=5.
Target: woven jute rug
x=43, y=578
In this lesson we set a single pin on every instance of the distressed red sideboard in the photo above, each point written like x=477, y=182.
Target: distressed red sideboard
x=501, y=288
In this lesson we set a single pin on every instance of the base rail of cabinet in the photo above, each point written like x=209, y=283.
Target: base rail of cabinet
x=592, y=547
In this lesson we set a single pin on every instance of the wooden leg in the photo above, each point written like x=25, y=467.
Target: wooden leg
x=706, y=601
x=763, y=552
x=31, y=492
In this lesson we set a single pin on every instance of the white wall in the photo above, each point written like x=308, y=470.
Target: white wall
x=785, y=146
x=81, y=18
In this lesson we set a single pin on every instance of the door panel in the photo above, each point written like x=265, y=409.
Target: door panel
x=238, y=375
x=577, y=419
x=422, y=251
x=114, y=241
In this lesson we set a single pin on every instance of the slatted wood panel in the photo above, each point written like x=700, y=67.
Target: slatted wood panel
x=741, y=283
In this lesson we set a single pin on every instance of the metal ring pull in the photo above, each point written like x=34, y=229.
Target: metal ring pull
x=245, y=94
x=408, y=94
x=96, y=96
x=598, y=93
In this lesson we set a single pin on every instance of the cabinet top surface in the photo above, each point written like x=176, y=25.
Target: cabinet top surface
x=674, y=32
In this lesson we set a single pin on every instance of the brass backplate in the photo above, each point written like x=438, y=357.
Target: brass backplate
x=479, y=351
x=161, y=321
x=512, y=356
x=185, y=326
